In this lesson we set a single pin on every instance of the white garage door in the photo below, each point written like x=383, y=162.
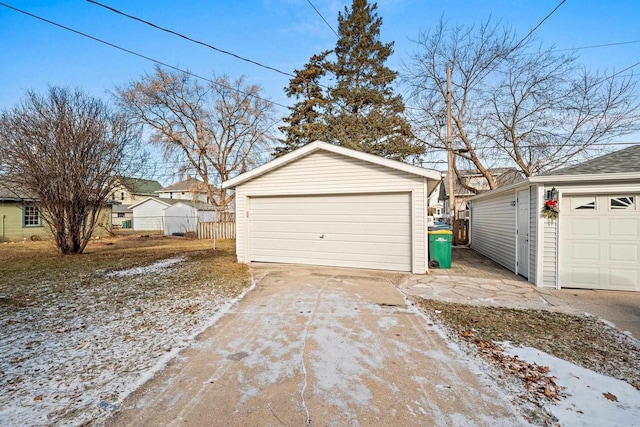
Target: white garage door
x=363, y=231
x=600, y=242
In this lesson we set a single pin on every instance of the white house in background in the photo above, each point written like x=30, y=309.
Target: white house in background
x=189, y=189
x=184, y=216
x=120, y=215
x=328, y=205
x=435, y=208
x=134, y=190
x=594, y=243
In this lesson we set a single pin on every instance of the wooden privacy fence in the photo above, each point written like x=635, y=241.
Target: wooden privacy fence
x=219, y=229
x=462, y=232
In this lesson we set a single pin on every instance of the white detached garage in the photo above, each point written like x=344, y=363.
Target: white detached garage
x=328, y=205
x=594, y=243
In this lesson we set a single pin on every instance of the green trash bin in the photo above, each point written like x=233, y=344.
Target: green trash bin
x=440, y=248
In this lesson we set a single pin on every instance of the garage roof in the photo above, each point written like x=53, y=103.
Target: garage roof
x=323, y=146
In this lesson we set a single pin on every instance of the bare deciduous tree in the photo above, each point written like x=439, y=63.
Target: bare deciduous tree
x=64, y=149
x=219, y=130
x=514, y=103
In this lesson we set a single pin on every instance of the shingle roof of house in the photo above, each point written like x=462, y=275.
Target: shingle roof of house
x=627, y=160
x=189, y=184
x=140, y=186
x=8, y=194
x=202, y=206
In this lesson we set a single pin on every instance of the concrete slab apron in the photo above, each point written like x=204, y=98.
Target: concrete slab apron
x=314, y=346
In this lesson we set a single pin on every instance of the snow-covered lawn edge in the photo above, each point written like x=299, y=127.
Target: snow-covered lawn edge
x=76, y=345
x=165, y=359
x=592, y=399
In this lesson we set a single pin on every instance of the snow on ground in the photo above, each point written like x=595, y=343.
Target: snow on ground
x=592, y=399
x=74, y=354
x=156, y=267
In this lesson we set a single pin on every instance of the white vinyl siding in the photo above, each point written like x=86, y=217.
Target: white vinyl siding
x=147, y=216
x=550, y=253
x=327, y=173
x=493, y=228
x=365, y=231
x=533, y=232
x=180, y=218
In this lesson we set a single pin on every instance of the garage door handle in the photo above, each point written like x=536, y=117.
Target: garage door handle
x=322, y=236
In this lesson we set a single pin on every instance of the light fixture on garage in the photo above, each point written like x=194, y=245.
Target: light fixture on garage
x=552, y=194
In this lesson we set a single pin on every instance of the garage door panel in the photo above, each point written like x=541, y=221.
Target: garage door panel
x=584, y=276
x=624, y=227
x=337, y=248
x=599, y=248
x=624, y=279
x=365, y=231
x=368, y=238
x=380, y=262
x=619, y=252
x=347, y=220
x=587, y=227
x=584, y=251
x=319, y=228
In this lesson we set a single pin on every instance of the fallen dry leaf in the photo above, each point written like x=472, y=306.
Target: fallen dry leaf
x=38, y=397
x=610, y=396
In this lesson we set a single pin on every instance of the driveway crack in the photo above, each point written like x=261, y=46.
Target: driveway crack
x=304, y=346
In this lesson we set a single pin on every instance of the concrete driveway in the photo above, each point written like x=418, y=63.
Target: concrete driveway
x=320, y=346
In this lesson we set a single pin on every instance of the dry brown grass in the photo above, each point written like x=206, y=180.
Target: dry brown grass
x=582, y=340
x=22, y=265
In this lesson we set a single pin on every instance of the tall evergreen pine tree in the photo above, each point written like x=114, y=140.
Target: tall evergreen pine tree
x=366, y=115
x=361, y=110
x=305, y=124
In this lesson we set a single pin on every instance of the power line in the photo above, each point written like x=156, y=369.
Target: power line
x=596, y=46
x=539, y=24
x=139, y=55
x=175, y=33
x=325, y=21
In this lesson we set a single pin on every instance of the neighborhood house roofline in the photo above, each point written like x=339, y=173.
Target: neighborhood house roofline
x=147, y=199
x=561, y=179
x=323, y=146
x=171, y=202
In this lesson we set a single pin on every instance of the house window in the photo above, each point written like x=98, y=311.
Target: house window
x=122, y=195
x=622, y=202
x=31, y=216
x=438, y=212
x=171, y=195
x=583, y=203
x=120, y=214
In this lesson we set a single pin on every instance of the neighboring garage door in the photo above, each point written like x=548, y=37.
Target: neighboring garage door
x=363, y=231
x=600, y=242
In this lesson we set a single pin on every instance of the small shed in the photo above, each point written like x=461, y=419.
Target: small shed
x=329, y=205
x=147, y=214
x=184, y=216
x=593, y=244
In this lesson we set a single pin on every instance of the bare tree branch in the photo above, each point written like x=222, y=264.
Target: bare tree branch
x=65, y=150
x=219, y=130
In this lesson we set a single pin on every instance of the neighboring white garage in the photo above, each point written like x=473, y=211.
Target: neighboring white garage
x=593, y=244
x=328, y=205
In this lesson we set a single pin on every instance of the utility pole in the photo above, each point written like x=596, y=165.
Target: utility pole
x=450, y=154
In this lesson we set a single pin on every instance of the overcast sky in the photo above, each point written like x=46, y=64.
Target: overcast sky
x=282, y=34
